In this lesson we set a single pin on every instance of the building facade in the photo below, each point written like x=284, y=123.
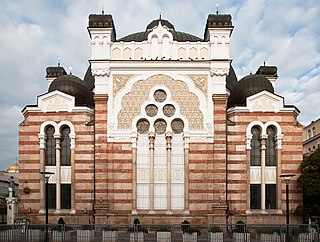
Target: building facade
x=311, y=137
x=159, y=129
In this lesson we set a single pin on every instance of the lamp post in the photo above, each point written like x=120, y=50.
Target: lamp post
x=46, y=176
x=287, y=178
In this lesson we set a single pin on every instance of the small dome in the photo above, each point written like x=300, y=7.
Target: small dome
x=73, y=86
x=13, y=168
x=246, y=87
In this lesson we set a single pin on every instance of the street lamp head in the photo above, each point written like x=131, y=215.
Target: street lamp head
x=287, y=177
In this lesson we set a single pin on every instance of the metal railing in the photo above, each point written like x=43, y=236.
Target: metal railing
x=161, y=233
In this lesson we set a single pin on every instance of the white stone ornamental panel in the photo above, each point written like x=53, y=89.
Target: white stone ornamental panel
x=66, y=174
x=255, y=174
x=271, y=174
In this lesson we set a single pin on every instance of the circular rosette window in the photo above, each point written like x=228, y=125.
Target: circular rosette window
x=168, y=110
x=160, y=96
x=177, y=126
x=143, y=126
x=151, y=110
x=160, y=126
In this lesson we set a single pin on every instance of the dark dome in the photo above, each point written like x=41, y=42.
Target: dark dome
x=89, y=79
x=178, y=36
x=246, y=87
x=231, y=79
x=73, y=86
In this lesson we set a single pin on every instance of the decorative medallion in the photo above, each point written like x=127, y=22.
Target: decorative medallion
x=177, y=126
x=169, y=110
x=151, y=110
x=160, y=126
x=160, y=96
x=143, y=126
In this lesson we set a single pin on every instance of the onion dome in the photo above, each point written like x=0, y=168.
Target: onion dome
x=73, y=86
x=246, y=87
x=177, y=35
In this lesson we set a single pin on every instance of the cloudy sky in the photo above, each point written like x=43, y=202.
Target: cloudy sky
x=35, y=33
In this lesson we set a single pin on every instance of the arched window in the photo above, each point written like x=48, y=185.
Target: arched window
x=50, y=152
x=255, y=153
x=160, y=151
x=271, y=147
x=309, y=134
x=65, y=154
x=313, y=131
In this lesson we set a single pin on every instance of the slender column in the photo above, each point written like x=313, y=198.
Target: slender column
x=279, y=165
x=169, y=149
x=279, y=192
x=42, y=148
x=72, y=147
x=263, y=168
x=186, y=172
x=58, y=172
x=134, y=174
x=151, y=148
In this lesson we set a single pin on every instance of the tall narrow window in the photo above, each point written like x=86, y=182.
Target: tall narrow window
x=314, y=131
x=255, y=196
x=271, y=147
x=51, y=196
x=50, y=152
x=309, y=134
x=255, y=152
x=65, y=196
x=271, y=196
x=65, y=147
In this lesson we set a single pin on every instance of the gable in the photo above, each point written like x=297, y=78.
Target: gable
x=265, y=102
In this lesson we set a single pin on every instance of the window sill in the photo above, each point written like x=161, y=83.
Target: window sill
x=264, y=211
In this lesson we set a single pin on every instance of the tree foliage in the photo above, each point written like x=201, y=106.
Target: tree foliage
x=309, y=181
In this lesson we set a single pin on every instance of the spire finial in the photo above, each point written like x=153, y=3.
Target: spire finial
x=217, y=5
x=264, y=63
x=59, y=61
x=160, y=16
x=102, y=8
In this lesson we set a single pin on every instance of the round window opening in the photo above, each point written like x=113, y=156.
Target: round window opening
x=143, y=126
x=177, y=126
x=160, y=126
x=151, y=110
x=160, y=95
x=169, y=110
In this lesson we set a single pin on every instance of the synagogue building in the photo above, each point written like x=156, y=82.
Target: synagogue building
x=160, y=129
